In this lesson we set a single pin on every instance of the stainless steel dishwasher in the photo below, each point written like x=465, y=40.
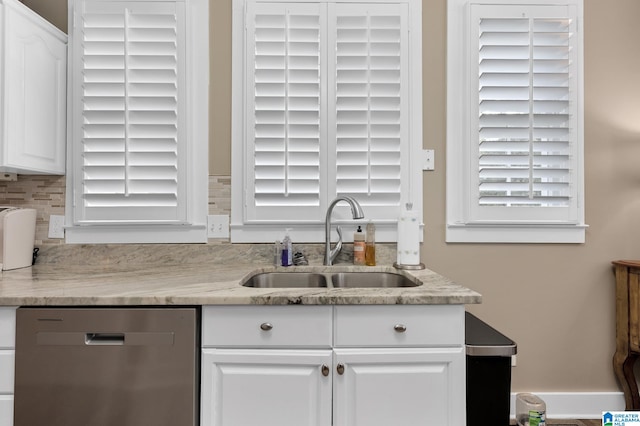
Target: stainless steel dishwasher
x=107, y=367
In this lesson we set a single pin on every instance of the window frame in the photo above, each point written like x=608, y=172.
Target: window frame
x=305, y=230
x=461, y=137
x=194, y=200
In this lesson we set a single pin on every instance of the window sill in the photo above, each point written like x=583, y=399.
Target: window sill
x=145, y=234
x=506, y=233
x=311, y=233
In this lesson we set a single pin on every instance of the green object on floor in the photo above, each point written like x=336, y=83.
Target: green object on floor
x=536, y=418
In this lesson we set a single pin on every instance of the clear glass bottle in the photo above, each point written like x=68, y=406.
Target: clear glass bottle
x=277, y=253
x=370, y=245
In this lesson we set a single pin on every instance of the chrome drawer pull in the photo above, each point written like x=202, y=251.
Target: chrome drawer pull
x=325, y=370
x=266, y=326
x=400, y=328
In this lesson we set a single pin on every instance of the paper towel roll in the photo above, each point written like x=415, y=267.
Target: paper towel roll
x=409, y=238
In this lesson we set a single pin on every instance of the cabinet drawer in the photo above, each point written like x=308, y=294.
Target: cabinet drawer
x=7, y=360
x=6, y=410
x=266, y=326
x=399, y=325
x=7, y=327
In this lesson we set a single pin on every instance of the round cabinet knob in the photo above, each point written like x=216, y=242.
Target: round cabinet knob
x=340, y=369
x=325, y=370
x=266, y=326
x=400, y=328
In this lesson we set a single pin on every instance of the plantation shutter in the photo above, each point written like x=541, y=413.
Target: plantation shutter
x=285, y=121
x=525, y=114
x=130, y=103
x=369, y=87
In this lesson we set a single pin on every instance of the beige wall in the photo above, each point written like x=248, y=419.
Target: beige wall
x=54, y=10
x=556, y=301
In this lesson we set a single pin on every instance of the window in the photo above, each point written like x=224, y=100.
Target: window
x=329, y=105
x=515, y=119
x=139, y=122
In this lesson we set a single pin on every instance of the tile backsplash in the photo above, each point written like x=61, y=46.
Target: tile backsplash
x=41, y=192
x=46, y=194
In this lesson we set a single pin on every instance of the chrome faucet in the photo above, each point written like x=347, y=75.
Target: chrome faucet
x=356, y=211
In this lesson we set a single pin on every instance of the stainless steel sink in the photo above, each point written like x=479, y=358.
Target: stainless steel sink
x=286, y=280
x=370, y=280
x=336, y=280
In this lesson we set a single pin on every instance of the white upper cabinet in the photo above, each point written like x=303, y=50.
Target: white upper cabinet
x=34, y=92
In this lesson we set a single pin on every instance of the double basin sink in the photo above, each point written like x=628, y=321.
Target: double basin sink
x=329, y=280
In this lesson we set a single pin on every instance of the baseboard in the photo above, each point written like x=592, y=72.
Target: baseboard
x=577, y=405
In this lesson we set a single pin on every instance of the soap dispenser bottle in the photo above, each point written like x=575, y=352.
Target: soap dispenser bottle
x=287, y=249
x=358, y=247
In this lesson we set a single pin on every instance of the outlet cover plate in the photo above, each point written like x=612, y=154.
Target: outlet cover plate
x=56, y=226
x=428, y=159
x=218, y=226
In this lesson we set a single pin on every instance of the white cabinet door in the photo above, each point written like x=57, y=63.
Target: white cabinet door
x=35, y=59
x=7, y=363
x=265, y=387
x=6, y=410
x=408, y=387
x=7, y=327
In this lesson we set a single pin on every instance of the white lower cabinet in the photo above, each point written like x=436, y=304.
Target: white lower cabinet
x=259, y=387
x=6, y=410
x=406, y=366
x=381, y=387
x=7, y=362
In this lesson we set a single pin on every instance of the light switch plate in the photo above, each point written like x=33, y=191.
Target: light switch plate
x=218, y=226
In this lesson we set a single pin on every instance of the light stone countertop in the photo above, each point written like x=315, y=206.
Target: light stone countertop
x=214, y=282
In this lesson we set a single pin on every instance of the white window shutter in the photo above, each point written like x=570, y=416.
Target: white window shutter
x=284, y=116
x=525, y=115
x=132, y=139
x=369, y=127
x=325, y=108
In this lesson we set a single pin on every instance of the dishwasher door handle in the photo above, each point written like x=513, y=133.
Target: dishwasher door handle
x=65, y=338
x=104, y=339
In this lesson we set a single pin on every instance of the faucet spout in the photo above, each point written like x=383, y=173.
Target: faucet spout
x=356, y=212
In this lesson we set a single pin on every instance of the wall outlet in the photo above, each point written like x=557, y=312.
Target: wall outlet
x=56, y=226
x=218, y=226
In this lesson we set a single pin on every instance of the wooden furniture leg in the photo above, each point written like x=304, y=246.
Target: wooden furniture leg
x=623, y=366
x=627, y=329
